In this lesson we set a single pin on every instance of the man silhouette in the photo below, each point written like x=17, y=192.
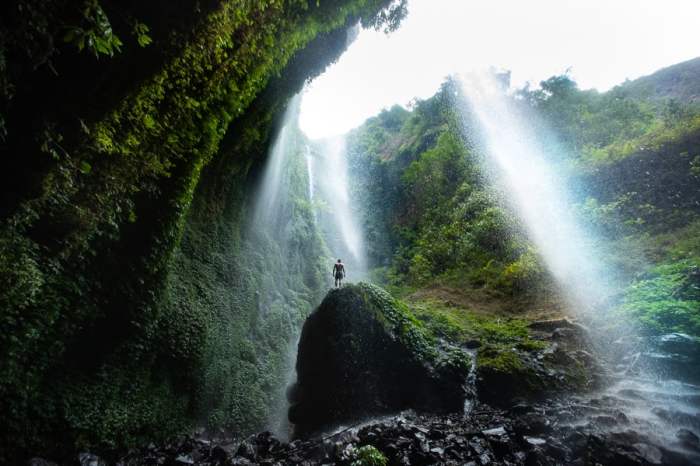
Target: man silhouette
x=338, y=273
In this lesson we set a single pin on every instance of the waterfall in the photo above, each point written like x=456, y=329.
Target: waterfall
x=518, y=164
x=338, y=220
x=268, y=201
x=309, y=171
x=274, y=240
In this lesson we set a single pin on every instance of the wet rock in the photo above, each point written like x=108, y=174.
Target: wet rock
x=535, y=441
x=219, y=455
x=360, y=355
x=566, y=333
x=89, y=459
x=679, y=418
x=496, y=431
x=674, y=355
x=184, y=460
x=532, y=423
x=247, y=450
x=606, y=452
x=551, y=325
x=649, y=452
x=486, y=437
x=688, y=439
x=520, y=408
x=40, y=462
x=557, y=450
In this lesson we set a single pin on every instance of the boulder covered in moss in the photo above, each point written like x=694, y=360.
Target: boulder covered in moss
x=556, y=362
x=362, y=354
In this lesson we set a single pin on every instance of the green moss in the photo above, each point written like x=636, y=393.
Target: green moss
x=497, y=360
x=461, y=326
x=398, y=319
x=504, y=369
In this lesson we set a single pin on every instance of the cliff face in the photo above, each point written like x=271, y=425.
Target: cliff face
x=132, y=306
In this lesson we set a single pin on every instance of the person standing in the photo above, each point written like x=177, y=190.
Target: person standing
x=338, y=273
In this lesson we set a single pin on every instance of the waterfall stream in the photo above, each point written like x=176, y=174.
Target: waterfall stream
x=338, y=220
x=650, y=404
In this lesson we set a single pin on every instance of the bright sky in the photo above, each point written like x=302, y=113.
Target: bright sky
x=602, y=41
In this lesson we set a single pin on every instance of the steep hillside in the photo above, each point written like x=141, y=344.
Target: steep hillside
x=680, y=82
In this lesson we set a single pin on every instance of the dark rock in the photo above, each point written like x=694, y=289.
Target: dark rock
x=40, y=462
x=536, y=457
x=496, y=431
x=564, y=334
x=679, y=418
x=520, y=408
x=551, y=325
x=556, y=450
x=184, y=460
x=649, y=452
x=674, y=355
x=688, y=439
x=603, y=451
x=472, y=344
x=219, y=455
x=533, y=424
x=577, y=441
x=361, y=355
x=89, y=459
x=247, y=450
x=535, y=441
x=240, y=461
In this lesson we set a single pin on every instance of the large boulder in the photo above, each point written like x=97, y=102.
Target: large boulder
x=361, y=354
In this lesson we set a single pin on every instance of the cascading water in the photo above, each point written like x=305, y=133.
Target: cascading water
x=268, y=198
x=272, y=236
x=310, y=171
x=338, y=220
x=519, y=166
x=656, y=408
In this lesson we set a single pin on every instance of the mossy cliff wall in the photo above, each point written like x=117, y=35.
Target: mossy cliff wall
x=131, y=305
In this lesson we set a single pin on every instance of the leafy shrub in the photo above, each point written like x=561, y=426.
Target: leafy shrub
x=368, y=455
x=666, y=299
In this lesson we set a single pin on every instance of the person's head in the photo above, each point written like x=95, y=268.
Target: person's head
x=339, y=261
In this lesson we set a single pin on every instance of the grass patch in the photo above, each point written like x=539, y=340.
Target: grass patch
x=461, y=326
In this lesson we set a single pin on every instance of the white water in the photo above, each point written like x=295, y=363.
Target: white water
x=270, y=237
x=271, y=188
x=517, y=164
x=339, y=221
x=310, y=172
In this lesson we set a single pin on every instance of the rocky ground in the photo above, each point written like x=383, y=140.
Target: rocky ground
x=538, y=434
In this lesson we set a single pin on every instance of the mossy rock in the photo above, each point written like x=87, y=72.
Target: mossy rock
x=361, y=354
x=506, y=375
